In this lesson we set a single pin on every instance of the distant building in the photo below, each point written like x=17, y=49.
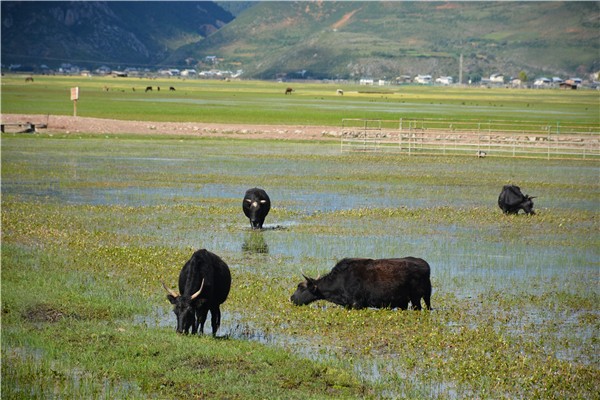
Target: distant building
x=497, y=78
x=516, y=82
x=366, y=81
x=118, y=74
x=103, y=70
x=423, y=79
x=542, y=82
x=403, y=79
x=189, y=72
x=574, y=81
x=566, y=85
x=445, y=80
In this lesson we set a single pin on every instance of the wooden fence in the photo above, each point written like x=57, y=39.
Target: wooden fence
x=473, y=138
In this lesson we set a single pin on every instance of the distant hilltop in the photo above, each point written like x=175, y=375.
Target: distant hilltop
x=452, y=41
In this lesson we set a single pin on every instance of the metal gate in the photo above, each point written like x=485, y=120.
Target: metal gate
x=476, y=138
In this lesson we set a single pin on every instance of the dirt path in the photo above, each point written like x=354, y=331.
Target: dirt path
x=67, y=125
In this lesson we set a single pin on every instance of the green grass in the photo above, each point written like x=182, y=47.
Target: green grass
x=254, y=102
x=91, y=225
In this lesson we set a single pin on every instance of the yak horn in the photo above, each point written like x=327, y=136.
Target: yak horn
x=199, y=291
x=172, y=293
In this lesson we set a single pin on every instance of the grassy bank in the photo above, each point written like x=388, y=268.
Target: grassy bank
x=91, y=225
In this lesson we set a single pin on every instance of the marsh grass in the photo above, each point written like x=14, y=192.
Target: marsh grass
x=91, y=226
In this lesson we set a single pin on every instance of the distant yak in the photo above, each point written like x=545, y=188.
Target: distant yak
x=289, y=90
x=256, y=206
x=511, y=200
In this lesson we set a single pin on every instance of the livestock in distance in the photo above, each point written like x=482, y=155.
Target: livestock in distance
x=361, y=282
x=256, y=206
x=204, y=284
x=511, y=200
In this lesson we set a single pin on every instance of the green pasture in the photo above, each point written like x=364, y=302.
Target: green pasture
x=257, y=102
x=91, y=225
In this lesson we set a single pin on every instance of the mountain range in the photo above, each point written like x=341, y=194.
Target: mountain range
x=315, y=39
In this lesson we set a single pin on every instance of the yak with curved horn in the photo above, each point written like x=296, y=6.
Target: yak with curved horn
x=204, y=284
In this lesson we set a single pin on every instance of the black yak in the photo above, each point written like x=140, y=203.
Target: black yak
x=204, y=283
x=511, y=200
x=256, y=206
x=362, y=282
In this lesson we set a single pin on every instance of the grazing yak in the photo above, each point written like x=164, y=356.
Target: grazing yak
x=289, y=90
x=362, y=282
x=204, y=283
x=511, y=200
x=256, y=206
x=148, y=88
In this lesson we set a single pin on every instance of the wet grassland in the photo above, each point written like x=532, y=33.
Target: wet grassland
x=91, y=224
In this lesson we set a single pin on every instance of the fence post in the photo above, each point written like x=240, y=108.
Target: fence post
x=549, y=141
x=478, y=142
x=409, y=136
x=400, y=134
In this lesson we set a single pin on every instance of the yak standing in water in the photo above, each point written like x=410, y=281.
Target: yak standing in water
x=511, y=200
x=362, y=282
x=204, y=283
x=256, y=206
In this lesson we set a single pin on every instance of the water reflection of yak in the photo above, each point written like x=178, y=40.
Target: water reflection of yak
x=255, y=243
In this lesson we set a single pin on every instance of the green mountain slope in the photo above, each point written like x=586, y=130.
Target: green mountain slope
x=387, y=39
x=316, y=39
x=129, y=33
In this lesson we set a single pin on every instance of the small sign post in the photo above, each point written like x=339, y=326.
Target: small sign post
x=74, y=98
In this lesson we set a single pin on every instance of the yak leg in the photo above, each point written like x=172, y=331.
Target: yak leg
x=427, y=299
x=416, y=302
x=403, y=304
x=427, y=295
x=195, y=325
x=202, y=313
x=215, y=319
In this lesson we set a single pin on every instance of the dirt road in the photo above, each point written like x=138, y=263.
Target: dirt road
x=67, y=125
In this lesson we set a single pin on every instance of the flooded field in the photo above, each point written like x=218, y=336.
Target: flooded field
x=515, y=298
